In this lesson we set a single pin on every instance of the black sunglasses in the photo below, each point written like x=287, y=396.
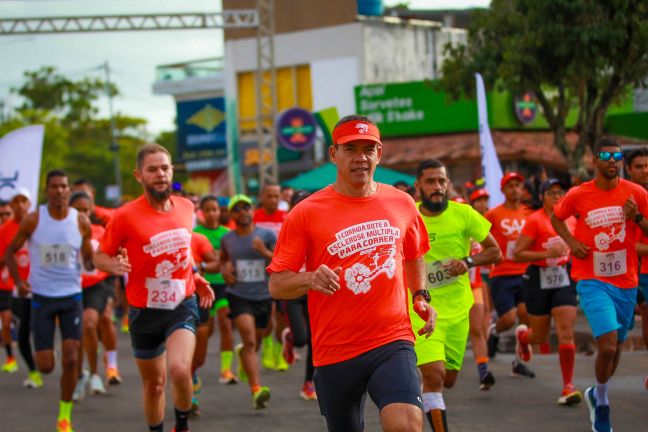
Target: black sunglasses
x=605, y=156
x=242, y=207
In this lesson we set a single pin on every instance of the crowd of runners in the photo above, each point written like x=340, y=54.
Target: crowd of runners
x=384, y=286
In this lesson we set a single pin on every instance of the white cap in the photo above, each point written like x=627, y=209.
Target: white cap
x=21, y=191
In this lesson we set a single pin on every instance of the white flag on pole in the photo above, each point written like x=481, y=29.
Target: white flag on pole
x=20, y=161
x=491, y=167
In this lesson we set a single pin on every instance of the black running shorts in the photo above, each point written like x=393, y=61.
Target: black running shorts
x=45, y=311
x=388, y=373
x=506, y=292
x=540, y=301
x=259, y=309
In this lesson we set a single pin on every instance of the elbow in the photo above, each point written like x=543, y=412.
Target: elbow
x=273, y=286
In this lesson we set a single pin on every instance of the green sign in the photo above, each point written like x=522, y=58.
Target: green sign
x=414, y=108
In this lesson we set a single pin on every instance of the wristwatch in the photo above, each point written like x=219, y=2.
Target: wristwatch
x=638, y=218
x=423, y=293
x=469, y=261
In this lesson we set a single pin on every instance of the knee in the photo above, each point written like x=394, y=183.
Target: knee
x=249, y=345
x=154, y=387
x=477, y=331
x=179, y=371
x=401, y=418
x=433, y=377
x=45, y=367
x=607, y=350
x=90, y=322
x=70, y=362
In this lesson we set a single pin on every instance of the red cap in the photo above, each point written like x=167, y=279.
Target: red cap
x=478, y=193
x=355, y=130
x=510, y=176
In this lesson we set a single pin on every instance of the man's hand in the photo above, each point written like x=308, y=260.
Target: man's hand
x=579, y=250
x=558, y=250
x=120, y=264
x=205, y=293
x=24, y=288
x=227, y=270
x=325, y=280
x=456, y=267
x=427, y=313
x=630, y=208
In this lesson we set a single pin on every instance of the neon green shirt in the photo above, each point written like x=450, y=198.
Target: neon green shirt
x=450, y=234
x=214, y=236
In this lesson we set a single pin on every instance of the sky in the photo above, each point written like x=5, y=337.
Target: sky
x=132, y=56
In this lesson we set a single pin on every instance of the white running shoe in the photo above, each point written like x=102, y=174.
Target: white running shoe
x=97, y=385
x=80, y=389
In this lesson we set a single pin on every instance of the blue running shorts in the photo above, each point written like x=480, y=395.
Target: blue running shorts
x=607, y=307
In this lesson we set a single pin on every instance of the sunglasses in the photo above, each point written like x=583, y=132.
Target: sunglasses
x=605, y=156
x=242, y=207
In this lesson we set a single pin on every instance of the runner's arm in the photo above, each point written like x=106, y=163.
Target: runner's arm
x=490, y=254
x=210, y=262
x=642, y=249
x=523, y=254
x=86, y=245
x=579, y=250
x=289, y=285
x=415, y=276
x=117, y=265
x=27, y=227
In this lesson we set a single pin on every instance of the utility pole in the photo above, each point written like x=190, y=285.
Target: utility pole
x=114, y=145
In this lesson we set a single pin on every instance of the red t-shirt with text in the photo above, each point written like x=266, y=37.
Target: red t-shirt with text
x=271, y=221
x=200, y=246
x=507, y=225
x=90, y=278
x=538, y=228
x=602, y=225
x=8, y=231
x=158, y=245
x=369, y=238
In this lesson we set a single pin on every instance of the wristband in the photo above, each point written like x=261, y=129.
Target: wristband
x=423, y=293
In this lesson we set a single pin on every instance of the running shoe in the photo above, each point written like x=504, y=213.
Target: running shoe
x=599, y=415
x=10, y=366
x=280, y=363
x=195, y=407
x=64, y=426
x=522, y=349
x=97, y=385
x=288, y=346
x=308, y=391
x=197, y=383
x=34, y=380
x=239, y=367
x=125, y=329
x=260, y=398
x=492, y=342
x=268, y=359
x=520, y=370
x=570, y=396
x=80, y=389
x=227, y=377
x=113, y=377
x=486, y=382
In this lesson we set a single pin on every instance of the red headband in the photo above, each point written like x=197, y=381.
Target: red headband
x=356, y=130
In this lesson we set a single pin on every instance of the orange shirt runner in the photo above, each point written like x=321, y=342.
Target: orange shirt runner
x=602, y=226
x=90, y=278
x=507, y=225
x=8, y=231
x=368, y=238
x=538, y=228
x=159, y=250
x=200, y=245
x=271, y=221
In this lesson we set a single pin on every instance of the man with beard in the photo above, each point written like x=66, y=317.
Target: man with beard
x=245, y=252
x=451, y=227
x=58, y=238
x=150, y=239
x=506, y=276
x=610, y=216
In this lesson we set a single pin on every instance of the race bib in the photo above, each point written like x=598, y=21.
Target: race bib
x=164, y=293
x=250, y=270
x=55, y=255
x=472, y=274
x=553, y=277
x=510, y=247
x=437, y=275
x=609, y=264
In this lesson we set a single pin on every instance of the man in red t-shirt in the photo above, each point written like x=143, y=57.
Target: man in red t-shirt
x=360, y=241
x=610, y=216
x=506, y=276
x=150, y=239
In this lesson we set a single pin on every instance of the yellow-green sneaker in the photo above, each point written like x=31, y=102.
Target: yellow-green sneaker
x=34, y=380
x=10, y=366
x=239, y=367
x=280, y=362
x=267, y=353
x=260, y=398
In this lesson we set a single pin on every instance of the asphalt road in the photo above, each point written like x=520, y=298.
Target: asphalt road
x=513, y=404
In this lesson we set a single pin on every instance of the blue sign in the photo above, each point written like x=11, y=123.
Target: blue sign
x=202, y=133
x=296, y=129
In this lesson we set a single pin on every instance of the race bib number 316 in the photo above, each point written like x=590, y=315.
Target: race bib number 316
x=608, y=264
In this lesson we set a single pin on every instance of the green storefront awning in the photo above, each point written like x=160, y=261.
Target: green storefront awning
x=322, y=176
x=631, y=125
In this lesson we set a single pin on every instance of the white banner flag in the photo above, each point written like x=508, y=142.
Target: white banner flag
x=491, y=168
x=20, y=161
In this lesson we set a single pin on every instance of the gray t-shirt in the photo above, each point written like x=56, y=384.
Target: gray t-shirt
x=249, y=265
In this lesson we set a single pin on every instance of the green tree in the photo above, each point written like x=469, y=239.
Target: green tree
x=578, y=55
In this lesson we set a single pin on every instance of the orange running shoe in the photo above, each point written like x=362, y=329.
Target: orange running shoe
x=64, y=426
